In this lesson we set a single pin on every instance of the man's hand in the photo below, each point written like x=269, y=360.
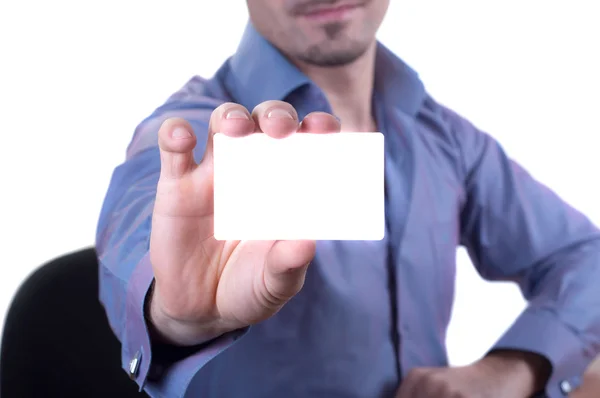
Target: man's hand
x=204, y=287
x=502, y=374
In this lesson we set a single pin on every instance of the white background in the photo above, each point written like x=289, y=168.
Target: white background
x=77, y=77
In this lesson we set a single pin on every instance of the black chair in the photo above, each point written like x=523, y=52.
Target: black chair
x=57, y=341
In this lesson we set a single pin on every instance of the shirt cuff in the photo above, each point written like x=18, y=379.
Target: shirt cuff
x=136, y=355
x=540, y=331
x=136, y=345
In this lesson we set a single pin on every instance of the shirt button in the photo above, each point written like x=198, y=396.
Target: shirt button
x=134, y=365
x=565, y=387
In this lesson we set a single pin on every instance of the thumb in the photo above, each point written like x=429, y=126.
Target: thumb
x=285, y=269
x=176, y=140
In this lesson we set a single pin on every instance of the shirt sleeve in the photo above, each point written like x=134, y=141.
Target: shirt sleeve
x=122, y=244
x=516, y=229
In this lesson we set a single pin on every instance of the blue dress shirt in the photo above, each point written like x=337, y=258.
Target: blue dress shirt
x=369, y=311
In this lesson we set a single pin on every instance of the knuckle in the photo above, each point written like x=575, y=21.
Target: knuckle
x=415, y=373
x=225, y=107
x=320, y=114
x=168, y=126
x=171, y=122
x=268, y=105
x=271, y=103
x=321, y=122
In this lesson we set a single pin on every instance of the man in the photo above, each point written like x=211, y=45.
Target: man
x=205, y=318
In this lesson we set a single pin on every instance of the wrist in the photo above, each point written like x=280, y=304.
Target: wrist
x=166, y=330
x=526, y=373
x=591, y=379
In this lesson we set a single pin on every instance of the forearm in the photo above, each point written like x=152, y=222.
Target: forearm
x=562, y=320
x=517, y=229
x=126, y=277
x=590, y=387
x=123, y=233
x=526, y=373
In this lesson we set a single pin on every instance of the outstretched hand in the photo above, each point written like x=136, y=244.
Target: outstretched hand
x=204, y=287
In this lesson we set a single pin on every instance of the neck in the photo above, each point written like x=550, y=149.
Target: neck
x=349, y=90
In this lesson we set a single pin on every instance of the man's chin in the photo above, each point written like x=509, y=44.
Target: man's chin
x=330, y=60
x=332, y=55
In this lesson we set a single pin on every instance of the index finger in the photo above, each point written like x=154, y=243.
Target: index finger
x=230, y=119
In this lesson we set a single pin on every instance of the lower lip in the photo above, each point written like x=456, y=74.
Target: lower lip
x=331, y=15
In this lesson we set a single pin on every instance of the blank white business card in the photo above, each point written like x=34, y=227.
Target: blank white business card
x=305, y=186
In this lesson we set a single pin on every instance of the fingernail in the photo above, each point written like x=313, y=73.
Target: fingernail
x=180, y=133
x=279, y=113
x=338, y=119
x=236, y=114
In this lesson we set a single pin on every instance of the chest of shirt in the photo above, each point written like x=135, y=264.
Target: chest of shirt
x=424, y=196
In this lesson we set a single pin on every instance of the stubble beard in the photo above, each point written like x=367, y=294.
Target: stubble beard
x=326, y=54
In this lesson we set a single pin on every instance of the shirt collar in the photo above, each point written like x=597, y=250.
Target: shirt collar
x=260, y=72
x=397, y=83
